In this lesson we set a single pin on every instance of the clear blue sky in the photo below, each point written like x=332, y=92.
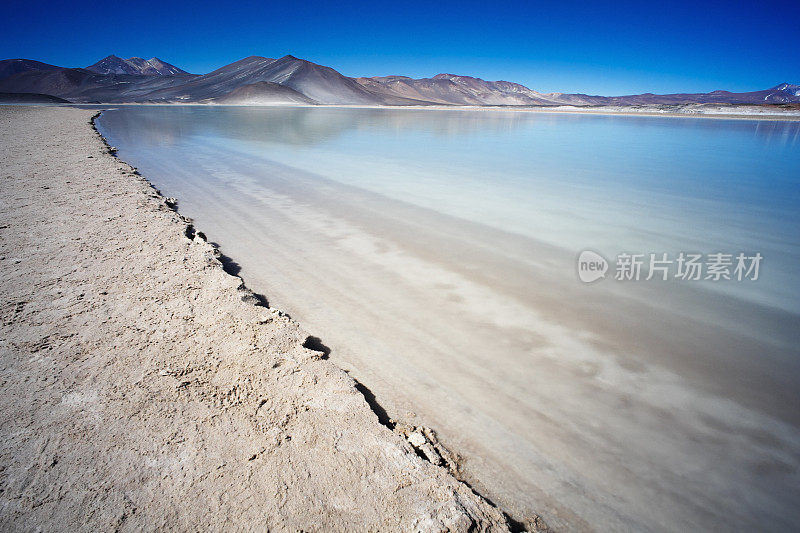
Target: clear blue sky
x=601, y=47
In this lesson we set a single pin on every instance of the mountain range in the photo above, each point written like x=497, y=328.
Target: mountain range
x=288, y=80
x=134, y=65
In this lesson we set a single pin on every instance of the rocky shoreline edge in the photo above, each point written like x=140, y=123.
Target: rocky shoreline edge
x=304, y=445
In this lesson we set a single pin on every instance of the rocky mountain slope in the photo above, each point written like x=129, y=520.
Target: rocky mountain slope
x=316, y=82
x=263, y=93
x=452, y=89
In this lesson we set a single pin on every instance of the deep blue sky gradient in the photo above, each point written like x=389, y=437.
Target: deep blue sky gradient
x=599, y=47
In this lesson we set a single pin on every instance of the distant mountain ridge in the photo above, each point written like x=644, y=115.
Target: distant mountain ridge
x=452, y=89
x=135, y=65
x=291, y=80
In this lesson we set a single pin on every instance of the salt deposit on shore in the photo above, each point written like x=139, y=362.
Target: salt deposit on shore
x=143, y=388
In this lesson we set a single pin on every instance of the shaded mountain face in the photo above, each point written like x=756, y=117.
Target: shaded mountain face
x=9, y=67
x=263, y=93
x=81, y=85
x=288, y=79
x=134, y=65
x=219, y=82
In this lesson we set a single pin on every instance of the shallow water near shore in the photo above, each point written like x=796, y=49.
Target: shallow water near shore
x=434, y=253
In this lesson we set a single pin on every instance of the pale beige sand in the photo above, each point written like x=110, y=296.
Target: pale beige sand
x=143, y=389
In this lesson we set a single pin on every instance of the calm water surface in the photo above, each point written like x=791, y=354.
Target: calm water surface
x=434, y=252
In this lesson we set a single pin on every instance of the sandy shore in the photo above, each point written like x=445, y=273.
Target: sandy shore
x=143, y=388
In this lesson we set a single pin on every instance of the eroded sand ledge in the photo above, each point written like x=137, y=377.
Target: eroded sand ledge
x=142, y=388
